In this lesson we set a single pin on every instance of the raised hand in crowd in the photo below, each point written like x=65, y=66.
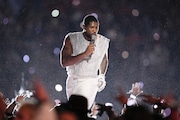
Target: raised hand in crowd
x=13, y=106
x=44, y=103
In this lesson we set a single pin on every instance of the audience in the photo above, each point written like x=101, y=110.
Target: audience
x=137, y=113
x=26, y=111
x=14, y=106
x=2, y=106
x=40, y=107
x=75, y=109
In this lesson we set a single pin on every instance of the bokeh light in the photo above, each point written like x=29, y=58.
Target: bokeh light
x=112, y=33
x=156, y=36
x=26, y=58
x=145, y=62
x=32, y=70
x=125, y=54
x=135, y=12
x=56, y=51
x=155, y=106
x=5, y=21
x=58, y=87
x=55, y=13
x=76, y=2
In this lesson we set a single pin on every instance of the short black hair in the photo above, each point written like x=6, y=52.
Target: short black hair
x=89, y=18
x=76, y=104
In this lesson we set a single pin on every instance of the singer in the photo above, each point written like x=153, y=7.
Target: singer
x=85, y=56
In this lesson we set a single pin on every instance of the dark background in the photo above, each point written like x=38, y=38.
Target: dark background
x=148, y=30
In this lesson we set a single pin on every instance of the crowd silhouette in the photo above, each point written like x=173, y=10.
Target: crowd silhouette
x=137, y=106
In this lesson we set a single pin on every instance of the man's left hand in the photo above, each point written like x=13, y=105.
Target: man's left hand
x=101, y=82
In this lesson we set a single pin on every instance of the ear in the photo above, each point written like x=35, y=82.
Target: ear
x=84, y=27
x=81, y=25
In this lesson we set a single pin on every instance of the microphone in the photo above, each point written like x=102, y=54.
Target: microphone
x=92, y=41
x=93, y=37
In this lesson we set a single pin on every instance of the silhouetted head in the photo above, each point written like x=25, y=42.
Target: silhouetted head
x=74, y=109
x=137, y=113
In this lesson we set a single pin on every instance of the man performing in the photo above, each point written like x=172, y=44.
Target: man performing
x=85, y=56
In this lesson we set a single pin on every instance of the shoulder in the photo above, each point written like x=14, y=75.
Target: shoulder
x=72, y=37
x=71, y=34
x=103, y=38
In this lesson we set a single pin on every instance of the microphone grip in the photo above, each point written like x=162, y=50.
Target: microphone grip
x=93, y=37
x=92, y=41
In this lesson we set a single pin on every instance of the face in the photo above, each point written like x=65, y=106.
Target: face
x=92, y=28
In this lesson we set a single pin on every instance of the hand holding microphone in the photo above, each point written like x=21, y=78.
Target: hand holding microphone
x=91, y=47
x=93, y=37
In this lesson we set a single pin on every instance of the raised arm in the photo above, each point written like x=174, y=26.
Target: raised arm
x=66, y=58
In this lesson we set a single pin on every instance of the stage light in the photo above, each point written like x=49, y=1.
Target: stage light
x=26, y=58
x=155, y=106
x=55, y=13
x=58, y=87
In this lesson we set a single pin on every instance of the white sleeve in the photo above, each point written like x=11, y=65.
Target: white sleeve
x=131, y=100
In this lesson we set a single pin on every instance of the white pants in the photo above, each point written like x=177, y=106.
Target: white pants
x=86, y=87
